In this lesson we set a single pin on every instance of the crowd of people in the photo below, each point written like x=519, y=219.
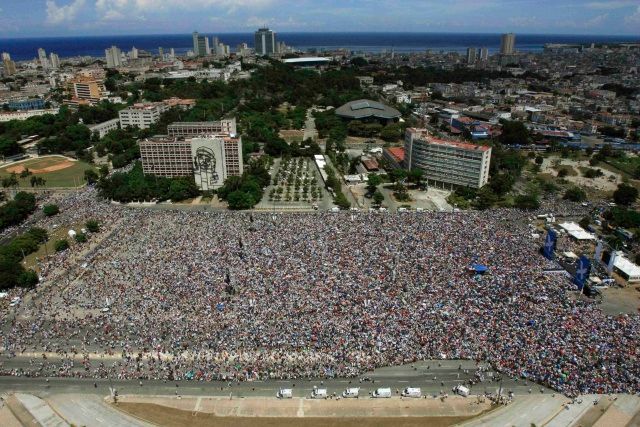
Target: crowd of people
x=240, y=296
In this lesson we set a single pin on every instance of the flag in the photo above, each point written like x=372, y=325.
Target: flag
x=550, y=244
x=582, y=272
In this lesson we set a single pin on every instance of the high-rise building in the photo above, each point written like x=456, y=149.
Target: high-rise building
x=6, y=56
x=55, y=60
x=161, y=52
x=265, y=42
x=114, y=57
x=507, y=44
x=42, y=58
x=172, y=53
x=200, y=44
x=447, y=162
x=9, y=67
x=472, y=53
x=484, y=54
x=134, y=53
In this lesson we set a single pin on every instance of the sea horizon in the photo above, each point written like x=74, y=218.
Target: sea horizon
x=25, y=48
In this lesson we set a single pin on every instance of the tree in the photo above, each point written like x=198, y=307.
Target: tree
x=10, y=181
x=80, y=237
x=25, y=173
x=584, y=222
x=61, y=245
x=592, y=173
x=514, y=132
x=92, y=225
x=415, y=176
x=625, y=195
x=378, y=198
x=341, y=201
x=539, y=160
x=373, y=181
x=28, y=279
x=37, y=181
x=91, y=176
x=575, y=194
x=238, y=200
x=501, y=183
x=563, y=173
x=486, y=198
x=527, y=202
x=50, y=210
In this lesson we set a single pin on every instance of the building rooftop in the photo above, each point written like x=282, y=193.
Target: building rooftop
x=397, y=153
x=363, y=108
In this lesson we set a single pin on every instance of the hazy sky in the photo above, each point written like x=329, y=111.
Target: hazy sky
x=23, y=18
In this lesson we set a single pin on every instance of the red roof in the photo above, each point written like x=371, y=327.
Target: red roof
x=397, y=153
x=370, y=164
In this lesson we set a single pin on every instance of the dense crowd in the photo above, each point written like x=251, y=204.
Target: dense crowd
x=200, y=295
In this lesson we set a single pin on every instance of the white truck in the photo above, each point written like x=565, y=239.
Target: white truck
x=284, y=393
x=461, y=390
x=319, y=393
x=351, y=393
x=382, y=393
x=412, y=392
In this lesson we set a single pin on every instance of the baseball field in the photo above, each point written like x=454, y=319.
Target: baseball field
x=57, y=171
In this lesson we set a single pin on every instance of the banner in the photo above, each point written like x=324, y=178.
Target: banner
x=598, y=255
x=550, y=244
x=612, y=260
x=582, y=272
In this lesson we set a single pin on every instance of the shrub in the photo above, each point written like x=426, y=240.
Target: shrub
x=61, y=245
x=575, y=194
x=50, y=210
x=80, y=237
x=93, y=226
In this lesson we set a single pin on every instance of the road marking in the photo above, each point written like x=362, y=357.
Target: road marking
x=403, y=381
x=99, y=420
x=301, y=408
x=198, y=402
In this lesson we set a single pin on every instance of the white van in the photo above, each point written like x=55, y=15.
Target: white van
x=319, y=393
x=335, y=209
x=382, y=393
x=412, y=392
x=284, y=393
x=402, y=209
x=461, y=390
x=351, y=393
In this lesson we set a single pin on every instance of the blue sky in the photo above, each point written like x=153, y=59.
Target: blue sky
x=24, y=18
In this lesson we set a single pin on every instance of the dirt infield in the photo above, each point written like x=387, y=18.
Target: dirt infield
x=59, y=166
x=171, y=417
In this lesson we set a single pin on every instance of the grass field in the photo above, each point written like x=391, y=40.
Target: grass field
x=58, y=171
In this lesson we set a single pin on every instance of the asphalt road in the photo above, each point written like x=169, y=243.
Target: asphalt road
x=432, y=377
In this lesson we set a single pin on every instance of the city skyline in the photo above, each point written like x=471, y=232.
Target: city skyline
x=55, y=18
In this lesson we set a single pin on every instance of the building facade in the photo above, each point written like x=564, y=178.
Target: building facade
x=210, y=159
x=101, y=129
x=113, y=56
x=184, y=129
x=84, y=87
x=447, y=163
x=142, y=115
x=265, y=42
x=507, y=44
x=200, y=44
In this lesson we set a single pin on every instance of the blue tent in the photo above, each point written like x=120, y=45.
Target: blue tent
x=479, y=268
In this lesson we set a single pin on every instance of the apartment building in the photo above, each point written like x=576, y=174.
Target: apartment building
x=225, y=126
x=447, y=163
x=101, y=129
x=86, y=87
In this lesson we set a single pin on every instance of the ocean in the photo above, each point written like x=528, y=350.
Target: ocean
x=26, y=48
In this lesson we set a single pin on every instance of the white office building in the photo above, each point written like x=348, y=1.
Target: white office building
x=200, y=44
x=507, y=44
x=447, y=163
x=101, y=129
x=142, y=115
x=54, y=60
x=184, y=129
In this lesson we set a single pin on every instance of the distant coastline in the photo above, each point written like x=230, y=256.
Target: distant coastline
x=22, y=49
